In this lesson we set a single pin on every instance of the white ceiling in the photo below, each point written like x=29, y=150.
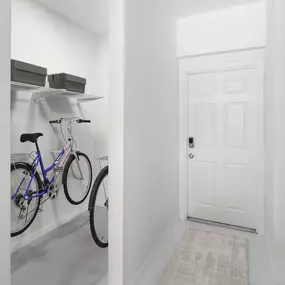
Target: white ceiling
x=90, y=14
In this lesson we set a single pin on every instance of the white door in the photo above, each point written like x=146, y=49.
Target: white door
x=225, y=117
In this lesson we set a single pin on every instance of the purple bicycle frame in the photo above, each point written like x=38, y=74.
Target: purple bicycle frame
x=38, y=160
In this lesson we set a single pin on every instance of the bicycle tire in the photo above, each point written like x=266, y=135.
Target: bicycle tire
x=29, y=168
x=103, y=173
x=65, y=174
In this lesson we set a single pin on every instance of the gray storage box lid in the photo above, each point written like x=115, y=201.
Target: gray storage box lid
x=66, y=77
x=20, y=65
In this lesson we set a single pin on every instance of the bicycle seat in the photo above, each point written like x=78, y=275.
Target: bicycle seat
x=30, y=137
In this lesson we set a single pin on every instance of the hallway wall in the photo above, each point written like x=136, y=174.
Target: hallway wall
x=150, y=128
x=276, y=124
x=5, y=27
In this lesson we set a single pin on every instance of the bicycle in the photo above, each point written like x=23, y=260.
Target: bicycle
x=98, y=208
x=30, y=188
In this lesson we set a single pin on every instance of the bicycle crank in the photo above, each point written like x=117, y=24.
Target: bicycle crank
x=53, y=192
x=21, y=217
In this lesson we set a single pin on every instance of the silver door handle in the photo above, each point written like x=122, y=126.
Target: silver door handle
x=191, y=155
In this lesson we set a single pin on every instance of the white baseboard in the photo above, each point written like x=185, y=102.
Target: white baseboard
x=43, y=231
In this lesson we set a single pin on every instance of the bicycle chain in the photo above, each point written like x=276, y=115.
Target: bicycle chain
x=34, y=209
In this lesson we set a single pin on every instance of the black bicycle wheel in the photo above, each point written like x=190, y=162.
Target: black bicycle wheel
x=98, y=209
x=77, y=178
x=23, y=211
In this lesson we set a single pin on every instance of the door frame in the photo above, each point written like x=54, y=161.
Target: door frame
x=183, y=132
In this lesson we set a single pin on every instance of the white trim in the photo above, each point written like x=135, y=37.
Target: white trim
x=182, y=120
x=220, y=52
x=183, y=151
x=218, y=70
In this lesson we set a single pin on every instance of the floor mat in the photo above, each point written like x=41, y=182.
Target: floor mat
x=207, y=258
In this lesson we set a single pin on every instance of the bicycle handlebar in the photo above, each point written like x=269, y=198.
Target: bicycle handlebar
x=80, y=121
x=77, y=120
x=55, y=122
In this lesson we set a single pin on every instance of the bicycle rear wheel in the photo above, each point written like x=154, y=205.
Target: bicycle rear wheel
x=77, y=178
x=98, y=209
x=23, y=212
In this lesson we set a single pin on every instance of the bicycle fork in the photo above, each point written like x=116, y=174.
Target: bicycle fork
x=79, y=167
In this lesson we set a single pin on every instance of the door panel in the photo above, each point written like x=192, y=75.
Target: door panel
x=204, y=126
x=235, y=125
x=236, y=182
x=225, y=117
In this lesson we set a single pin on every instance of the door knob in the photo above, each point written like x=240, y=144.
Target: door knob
x=191, y=155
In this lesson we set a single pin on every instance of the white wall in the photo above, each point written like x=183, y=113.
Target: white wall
x=116, y=143
x=233, y=28
x=269, y=125
x=5, y=267
x=93, y=15
x=45, y=38
x=150, y=128
x=276, y=121
x=184, y=8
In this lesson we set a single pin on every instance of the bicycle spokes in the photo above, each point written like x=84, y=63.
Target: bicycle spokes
x=21, y=207
x=79, y=176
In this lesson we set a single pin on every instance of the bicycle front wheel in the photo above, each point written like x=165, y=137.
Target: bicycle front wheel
x=98, y=209
x=77, y=178
x=23, y=212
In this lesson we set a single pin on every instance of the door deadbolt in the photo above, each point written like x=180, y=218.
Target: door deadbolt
x=191, y=155
x=191, y=142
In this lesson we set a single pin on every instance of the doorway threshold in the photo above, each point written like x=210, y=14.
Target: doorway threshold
x=222, y=225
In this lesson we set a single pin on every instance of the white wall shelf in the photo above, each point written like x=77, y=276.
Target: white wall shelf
x=17, y=86
x=49, y=93
x=41, y=93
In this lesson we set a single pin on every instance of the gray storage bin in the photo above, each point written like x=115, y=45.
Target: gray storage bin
x=28, y=73
x=67, y=81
